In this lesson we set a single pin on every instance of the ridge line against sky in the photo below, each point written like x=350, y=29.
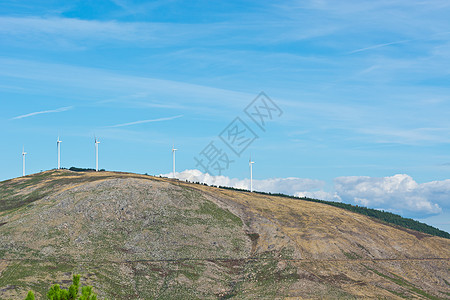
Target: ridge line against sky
x=398, y=194
x=364, y=87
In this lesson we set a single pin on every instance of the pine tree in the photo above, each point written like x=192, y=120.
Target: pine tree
x=30, y=296
x=57, y=293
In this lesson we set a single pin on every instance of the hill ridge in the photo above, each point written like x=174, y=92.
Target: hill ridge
x=142, y=237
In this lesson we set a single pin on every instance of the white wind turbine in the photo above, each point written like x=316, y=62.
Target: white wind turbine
x=23, y=161
x=173, y=158
x=58, y=146
x=250, y=163
x=96, y=153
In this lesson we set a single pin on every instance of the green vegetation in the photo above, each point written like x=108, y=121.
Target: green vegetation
x=402, y=282
x=220, y=215
x=11, y=202
x=13, y=193
x=30, y=296
x=73, y=293
x=382, y=215
x=26, y=274
x=351, y=255
x=9, y=189
x=387, y=217
x=446, y=282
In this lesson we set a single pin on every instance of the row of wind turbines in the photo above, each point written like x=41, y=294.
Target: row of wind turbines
x=250, y=164
x=58, y=146
x=96, y=142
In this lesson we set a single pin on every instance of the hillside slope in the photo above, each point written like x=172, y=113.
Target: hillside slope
x=140, y=237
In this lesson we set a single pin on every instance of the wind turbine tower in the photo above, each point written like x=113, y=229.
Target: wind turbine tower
x=23, y=161
x=250, y=163
x=96, y=153
x=58, y=146
x=173, y=158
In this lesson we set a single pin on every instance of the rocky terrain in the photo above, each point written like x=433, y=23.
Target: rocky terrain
x=141, y=237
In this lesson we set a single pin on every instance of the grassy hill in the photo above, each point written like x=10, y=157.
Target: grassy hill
x=141, y=237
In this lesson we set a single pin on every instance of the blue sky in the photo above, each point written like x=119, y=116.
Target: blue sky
x=363, y=87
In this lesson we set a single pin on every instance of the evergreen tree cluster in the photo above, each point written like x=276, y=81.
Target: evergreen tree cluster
x=73, y=293
x=76, y=169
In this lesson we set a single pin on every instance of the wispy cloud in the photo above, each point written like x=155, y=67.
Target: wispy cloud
x=378, y=46
x=145, y=121
x=43, y=112
x=72, y=32
x=433, y=36
x=79, y=34
x=131, y=8
x=411, y=136
x=182, y=95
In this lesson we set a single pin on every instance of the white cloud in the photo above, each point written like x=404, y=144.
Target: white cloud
x=439, y=191
x=398, y=193
x=288, y=186
x=322, y=195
